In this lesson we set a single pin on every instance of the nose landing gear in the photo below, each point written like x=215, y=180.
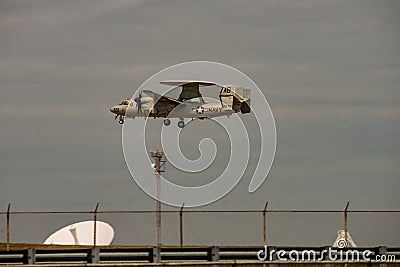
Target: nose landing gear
x=121, y=119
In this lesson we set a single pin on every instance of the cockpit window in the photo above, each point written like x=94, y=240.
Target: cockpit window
x=125, y=102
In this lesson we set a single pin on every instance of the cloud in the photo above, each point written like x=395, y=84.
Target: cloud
x=52, y=14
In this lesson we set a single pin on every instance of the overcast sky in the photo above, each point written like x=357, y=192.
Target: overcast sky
x=329, y=69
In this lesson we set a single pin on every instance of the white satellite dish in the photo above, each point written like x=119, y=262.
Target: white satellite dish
x=82, y=233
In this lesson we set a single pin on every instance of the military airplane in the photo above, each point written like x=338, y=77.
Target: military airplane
x=190, y=103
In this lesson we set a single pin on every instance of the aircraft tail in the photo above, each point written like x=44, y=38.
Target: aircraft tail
x=236, y=98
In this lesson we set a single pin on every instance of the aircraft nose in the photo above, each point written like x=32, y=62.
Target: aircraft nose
x=114, y=109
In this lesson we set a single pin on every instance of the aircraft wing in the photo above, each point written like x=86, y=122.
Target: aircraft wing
x=163, y=105
x=162, y=98
x=190, y=89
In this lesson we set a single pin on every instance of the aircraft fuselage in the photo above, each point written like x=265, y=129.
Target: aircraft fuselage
x=187, y=109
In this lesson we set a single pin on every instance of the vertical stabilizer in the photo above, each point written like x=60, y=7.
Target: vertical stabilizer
x=236, y=98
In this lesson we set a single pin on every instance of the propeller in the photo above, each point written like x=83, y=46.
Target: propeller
x=138, y=101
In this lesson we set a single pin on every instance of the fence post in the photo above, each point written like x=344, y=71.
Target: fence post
x=93, y=255
x=382, y=251
x=326, y=256
x=29, y=256
x=155, y=256
x=213, y=254
x=265, y=224
x=345, y=223
x=8, y=226
x=274, y=257
x=181, y=225
x=95, y=225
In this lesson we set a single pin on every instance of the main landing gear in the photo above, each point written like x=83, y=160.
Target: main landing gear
x=167, y=122
x=181, y=123
x=121, y=119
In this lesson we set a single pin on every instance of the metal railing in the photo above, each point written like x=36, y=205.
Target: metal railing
x=183, y=256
